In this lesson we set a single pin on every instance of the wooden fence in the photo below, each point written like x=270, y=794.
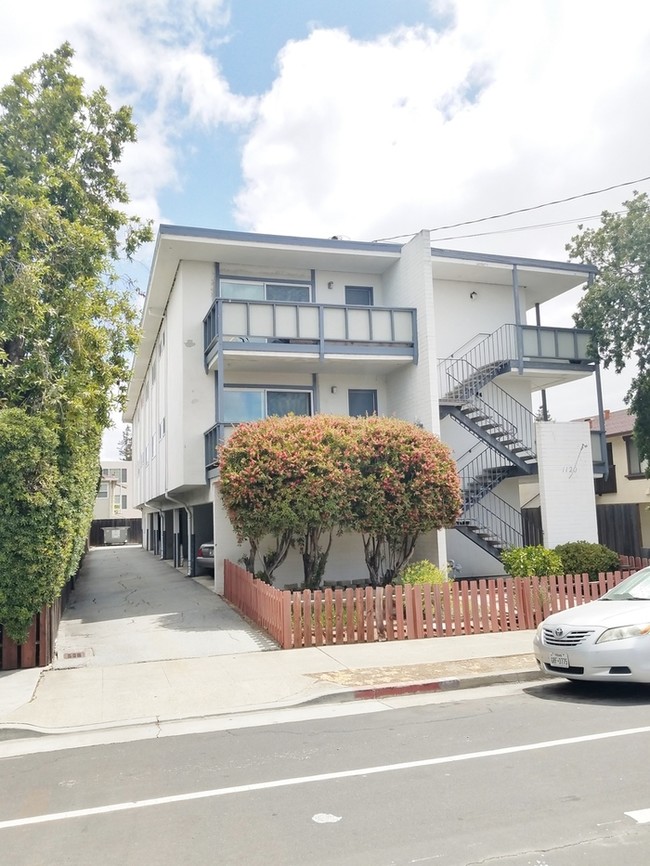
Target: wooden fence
x=37, y=651
x=365, y=615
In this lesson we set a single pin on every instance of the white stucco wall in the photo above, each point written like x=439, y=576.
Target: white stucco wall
x=566, y=484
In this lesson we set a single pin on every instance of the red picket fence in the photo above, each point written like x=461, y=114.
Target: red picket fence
x=38, y=649
x=365, y=615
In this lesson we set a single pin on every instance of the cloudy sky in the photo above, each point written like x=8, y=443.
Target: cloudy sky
x=370, y=118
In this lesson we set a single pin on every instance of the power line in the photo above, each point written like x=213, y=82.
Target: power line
x=519, y=210
x=523, y=228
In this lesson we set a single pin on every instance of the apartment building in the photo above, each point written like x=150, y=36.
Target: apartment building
x=115, y=497
x=238, y=326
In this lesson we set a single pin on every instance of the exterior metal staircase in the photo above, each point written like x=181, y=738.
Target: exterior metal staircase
x=504, y=426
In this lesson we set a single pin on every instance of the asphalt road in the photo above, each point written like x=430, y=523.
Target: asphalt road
x=542, y=775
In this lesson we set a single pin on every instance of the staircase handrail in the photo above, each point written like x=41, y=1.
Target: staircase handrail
x=507, y=409
x=501, y=525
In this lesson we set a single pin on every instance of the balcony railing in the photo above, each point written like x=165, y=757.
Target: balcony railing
x=525, y=344
x=282, y=326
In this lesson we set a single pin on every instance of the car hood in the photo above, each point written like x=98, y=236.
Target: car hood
x=608, y=614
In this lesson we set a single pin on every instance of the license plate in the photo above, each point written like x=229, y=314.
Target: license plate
x=559, y=660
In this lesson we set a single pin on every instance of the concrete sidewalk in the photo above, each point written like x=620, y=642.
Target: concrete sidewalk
x=124, y=679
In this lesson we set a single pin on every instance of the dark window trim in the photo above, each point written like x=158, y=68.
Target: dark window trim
x=371, y=296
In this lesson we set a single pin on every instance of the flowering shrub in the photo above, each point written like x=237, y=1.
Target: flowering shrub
x=406, y=484
x=300, y=479
x=288, y=478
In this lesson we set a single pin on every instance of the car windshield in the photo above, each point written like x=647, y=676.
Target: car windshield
x=633, y=588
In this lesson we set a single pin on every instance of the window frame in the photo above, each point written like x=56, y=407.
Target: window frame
x=265, y=285
x=635, y=467
x=371, y=296
x=264, y=391
x=371, y=391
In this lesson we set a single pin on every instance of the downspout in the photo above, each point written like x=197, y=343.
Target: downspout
x=190, y=532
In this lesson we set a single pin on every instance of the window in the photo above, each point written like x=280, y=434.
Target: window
x=162, y=428
x=102, y=493
x=607, y=486
x=358, y=296
x=262, y=291
x=362, y=403
x=249, y=404
x=117, y=473
x=124, y=506
x=635, y=467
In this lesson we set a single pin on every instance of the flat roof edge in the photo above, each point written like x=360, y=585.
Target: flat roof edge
x=176, y=231
x=520, y=261
x=285, y=240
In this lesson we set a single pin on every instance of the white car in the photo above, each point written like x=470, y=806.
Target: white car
x=605, y=640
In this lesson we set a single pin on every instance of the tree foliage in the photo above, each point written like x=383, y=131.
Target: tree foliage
x=615, y=306
x=66, y=325
x=125, y=445
x=300, y=480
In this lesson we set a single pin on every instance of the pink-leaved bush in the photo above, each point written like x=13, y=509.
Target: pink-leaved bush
x=301, y=479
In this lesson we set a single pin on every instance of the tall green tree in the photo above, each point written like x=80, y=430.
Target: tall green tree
x=66, y=323
x=615, y=307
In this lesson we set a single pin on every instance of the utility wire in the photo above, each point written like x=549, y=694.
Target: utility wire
x=523, y=228
x=519, y=210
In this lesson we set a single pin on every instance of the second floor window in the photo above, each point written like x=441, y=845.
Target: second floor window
x=262, y=291
x=358, y=296
x=251, y=404
x=635, y=466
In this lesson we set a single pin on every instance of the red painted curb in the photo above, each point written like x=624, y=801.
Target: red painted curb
x=408, y=689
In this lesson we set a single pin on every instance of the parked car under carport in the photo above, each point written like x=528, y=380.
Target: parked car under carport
x=205, y=556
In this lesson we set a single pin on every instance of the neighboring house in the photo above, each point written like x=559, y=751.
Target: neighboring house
x=623, y=497
x=239, y=326
x=115, y=498
x=622, y=494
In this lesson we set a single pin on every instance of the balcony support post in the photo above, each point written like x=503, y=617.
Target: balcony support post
x=518, y=323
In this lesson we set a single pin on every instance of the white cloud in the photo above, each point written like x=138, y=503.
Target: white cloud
x=517, y=103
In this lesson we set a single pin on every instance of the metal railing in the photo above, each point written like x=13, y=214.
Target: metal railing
x=292, y=326
x=535, y=343
x=496, y=520
x=480, y=474
x=507, y=414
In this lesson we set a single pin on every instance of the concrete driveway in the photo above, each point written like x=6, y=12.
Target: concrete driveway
x=130, y=607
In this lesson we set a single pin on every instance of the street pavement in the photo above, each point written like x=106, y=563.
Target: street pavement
x=140, y=642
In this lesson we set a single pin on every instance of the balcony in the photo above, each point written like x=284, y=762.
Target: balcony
x=547, y=356
x=243, y=331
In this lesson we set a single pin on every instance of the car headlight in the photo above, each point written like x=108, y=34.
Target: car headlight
x=624, y=632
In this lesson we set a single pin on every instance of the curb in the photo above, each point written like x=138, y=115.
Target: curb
x=23, y=730
x=445, y=684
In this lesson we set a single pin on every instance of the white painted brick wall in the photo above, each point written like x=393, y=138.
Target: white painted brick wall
x=566, y=483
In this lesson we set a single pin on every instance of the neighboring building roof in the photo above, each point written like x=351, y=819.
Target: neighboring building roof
x=616, y=423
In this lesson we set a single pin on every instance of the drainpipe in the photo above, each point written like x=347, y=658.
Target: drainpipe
x=190, y=533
